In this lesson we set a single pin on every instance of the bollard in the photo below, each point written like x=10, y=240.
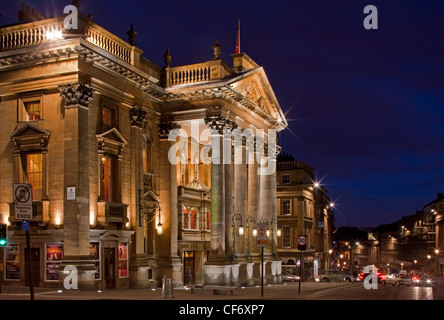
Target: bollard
x=167, y=288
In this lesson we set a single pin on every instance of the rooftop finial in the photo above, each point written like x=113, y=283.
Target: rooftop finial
x=217, y=50
x=167, y=56
x=132, y=35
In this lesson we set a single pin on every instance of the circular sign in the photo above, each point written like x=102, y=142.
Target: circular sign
x=302, y=240
x=261, y=231
x=22, y=194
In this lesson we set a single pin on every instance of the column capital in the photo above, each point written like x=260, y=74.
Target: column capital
x=165, y=127
x=138, y=117
x=220, y=123
x=76, y=94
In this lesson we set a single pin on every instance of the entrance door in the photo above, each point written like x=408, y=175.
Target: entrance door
x=35, y=263
x=110, y=268
x=188, y=267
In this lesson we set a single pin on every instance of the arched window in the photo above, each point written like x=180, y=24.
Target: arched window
x=193, y=219
x=186, y=218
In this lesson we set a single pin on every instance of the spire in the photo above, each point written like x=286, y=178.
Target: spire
x=238, y=49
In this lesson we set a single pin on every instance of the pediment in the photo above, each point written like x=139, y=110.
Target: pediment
x=113, y=136
x=254, y=86
x=29, y=130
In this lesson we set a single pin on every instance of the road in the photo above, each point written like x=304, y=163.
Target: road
x=287, y=291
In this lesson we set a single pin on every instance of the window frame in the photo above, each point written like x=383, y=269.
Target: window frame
x=22, y=112
x=283, y=180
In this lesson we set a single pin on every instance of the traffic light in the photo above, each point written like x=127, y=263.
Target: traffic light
x=3, y=235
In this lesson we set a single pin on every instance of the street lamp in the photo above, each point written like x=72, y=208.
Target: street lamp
x=250, y=221
x=278, y=233
x=236, y=218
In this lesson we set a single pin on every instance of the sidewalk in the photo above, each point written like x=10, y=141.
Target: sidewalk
x=286, y=291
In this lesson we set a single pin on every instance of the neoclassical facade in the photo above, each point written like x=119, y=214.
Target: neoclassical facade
x=122, y=156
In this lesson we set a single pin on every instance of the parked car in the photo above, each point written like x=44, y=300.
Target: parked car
x=397, y=279
x=361, y=277
x=287, y=276
x=422, y=280
x=332, y=276
x=348, y=277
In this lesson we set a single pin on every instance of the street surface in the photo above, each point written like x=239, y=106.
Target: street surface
x=287, y=291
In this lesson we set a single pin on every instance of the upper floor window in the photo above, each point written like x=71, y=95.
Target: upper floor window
x=286, y=207
x=107, y=116
x=34, y=174
x=286, y=237
x=285, y=178
x=30, y=109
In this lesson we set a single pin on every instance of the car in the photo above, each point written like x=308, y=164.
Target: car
x=287, y=276
x=331, y=276
x=348, y=277
x=361, y=277
x=397, y=279
x=421, y=280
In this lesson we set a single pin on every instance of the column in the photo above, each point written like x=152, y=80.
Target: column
x=139, y=261
x=169, y=262
x=216, y=269
x=76, y=174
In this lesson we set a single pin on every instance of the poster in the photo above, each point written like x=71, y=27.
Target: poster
x=94, y=254
x=53, y=259
x=12, y=265
x=123, y=259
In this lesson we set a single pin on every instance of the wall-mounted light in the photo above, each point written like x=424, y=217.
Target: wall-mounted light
x=159, y=227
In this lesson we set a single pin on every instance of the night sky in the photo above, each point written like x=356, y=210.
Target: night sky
x=365, y=107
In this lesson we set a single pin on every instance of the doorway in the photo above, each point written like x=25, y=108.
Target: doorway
x=188, y=262
x=35, y=263
x=110, y=268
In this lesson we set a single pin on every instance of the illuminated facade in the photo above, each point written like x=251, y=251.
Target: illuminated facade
x=303, y=208
x=86, y=118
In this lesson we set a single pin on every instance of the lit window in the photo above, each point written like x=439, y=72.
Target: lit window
x=107, y=116
x=185, y=219
x=107, y=178
x=34, y=174
x=193, y=219
x=30, y=109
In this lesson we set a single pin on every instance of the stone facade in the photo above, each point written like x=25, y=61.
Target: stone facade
x=303, y=208
x=93, y=125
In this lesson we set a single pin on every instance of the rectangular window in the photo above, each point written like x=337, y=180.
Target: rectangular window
x=34, y=174
x=108, y=178
x=30, y=109
x=107, y=116
x=286, y=237
x=286, y=207
x=285, y=179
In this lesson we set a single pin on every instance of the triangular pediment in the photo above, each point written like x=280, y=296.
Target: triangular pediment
x=113, y=136
x=29, y=130
x=255, y=87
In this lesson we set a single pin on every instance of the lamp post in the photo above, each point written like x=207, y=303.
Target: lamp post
x=250, y=221
x=236, y=218
x=278, y=233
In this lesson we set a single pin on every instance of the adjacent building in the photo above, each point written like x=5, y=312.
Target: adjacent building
x=304, y=208
x=122, y=157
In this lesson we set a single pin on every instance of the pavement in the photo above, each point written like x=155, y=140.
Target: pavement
x=286, y=291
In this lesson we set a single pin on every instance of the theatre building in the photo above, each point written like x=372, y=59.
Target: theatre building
x=120, y=153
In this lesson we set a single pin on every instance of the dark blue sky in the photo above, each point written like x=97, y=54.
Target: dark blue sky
x=365, y=107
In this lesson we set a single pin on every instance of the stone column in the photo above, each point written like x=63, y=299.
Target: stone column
x=169, y=262
x=214, y=270
x=139, y=261
x=253, y=195
x=76, y=174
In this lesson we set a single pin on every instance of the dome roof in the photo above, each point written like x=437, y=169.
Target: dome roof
x=196, y=184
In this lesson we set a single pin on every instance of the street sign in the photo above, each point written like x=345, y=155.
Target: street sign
x=302, y=242
x=22, y=194
x=262, y=238
x=25, y=225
